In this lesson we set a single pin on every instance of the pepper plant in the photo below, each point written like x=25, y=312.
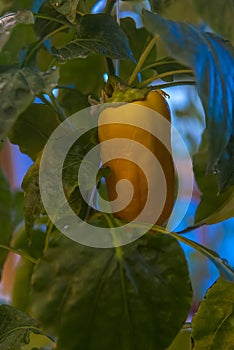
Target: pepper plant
x=56, y=59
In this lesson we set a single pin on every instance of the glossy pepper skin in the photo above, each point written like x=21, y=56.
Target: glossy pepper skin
x=126, y=169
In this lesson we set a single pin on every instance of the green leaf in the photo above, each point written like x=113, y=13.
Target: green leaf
x=183, y=339
x=5, y=217
x=225, y=166
x=15, y=328
x=17, y=90
x=67, y=8
x=214, y=206
x=72, y=100
x=84, y=75
x=98, y=34
x=45, y=26
x=33, y=128
x=211, y=59
x=32, y=202
x=135, y=298
x=9, y=21
x=213, y=324
x=219, y=16
x=14, y=5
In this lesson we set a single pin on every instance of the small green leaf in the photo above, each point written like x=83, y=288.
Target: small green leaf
x=98, y=34
x=33, y=128
x=15, y=328
x=213, y=324
x=67, y=8
x=32, y=202
x=93, y=298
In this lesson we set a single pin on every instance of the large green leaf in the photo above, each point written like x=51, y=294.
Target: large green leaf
x=17, y=90
x=5, y=217
x=219, y=16
x=15, y=328
x=212, y=60
x=33, y=128
x=98, y=34
x=135, y=298
x=214, y=206
x=213, y=324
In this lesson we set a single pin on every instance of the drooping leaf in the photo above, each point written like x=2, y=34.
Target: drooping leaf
x=102, y=301
x=33, y=128
x=213, y=324
x=98, y=34
x=214, y=206
x=67, y=8
x=17, y=90
x=9, y=21
x=212, y=60
x=5, y=217
x=32, y=198
x=219, y=16
x=15, y=328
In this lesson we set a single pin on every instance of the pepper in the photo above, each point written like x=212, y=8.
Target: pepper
x=126, y=169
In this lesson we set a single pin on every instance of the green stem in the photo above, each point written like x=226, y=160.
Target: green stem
x=48, y=18
x=142, y=60
x=57, y=107
x=18, y=252
x=109, y=6
x=161, y=63
x=40, y=42
x=110, y=222
x=173, y=83
x=225, y=270
x=163, y=75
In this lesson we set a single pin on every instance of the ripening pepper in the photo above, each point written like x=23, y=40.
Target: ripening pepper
x=127, y=169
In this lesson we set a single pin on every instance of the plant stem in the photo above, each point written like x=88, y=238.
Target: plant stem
x=109, y=6
x=58, y=108
x=225, y=270
x=40, y=42
x=163, y=75
x=119, y=253
x=142, y=60
x=48, y=18
x=161, y=63
x=173, y=83
x=19, y=252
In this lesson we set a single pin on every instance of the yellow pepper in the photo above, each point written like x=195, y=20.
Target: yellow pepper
x=127, y=169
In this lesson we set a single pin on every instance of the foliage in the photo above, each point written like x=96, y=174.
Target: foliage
x=135, y=296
